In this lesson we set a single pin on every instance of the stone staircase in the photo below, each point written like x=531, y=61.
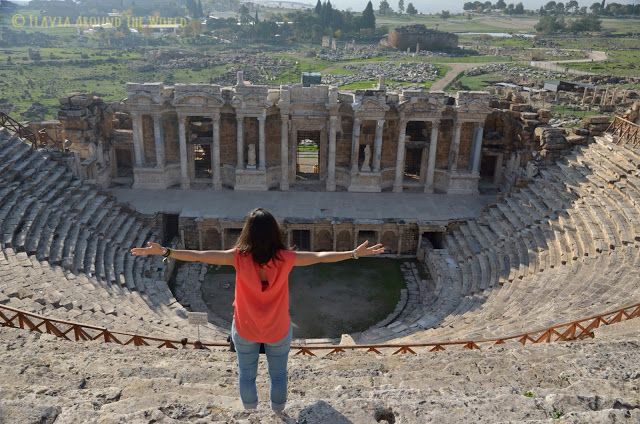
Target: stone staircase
x=563, y=248
x=65, y=250
x=46, y=380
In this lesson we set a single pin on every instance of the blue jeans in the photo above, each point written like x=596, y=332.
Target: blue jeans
x=277, y=356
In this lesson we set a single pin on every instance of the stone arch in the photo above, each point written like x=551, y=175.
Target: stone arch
x=344, y=241
x=211, y=239
x=323, y=241
x=390, y=242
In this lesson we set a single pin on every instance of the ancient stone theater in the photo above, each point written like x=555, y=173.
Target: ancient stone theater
x=249, y=137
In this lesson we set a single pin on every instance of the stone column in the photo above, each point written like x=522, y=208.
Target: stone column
x=355, y=146
x=240, y=141
x=335, y=237
x=584, y=95
x=331, y=174
x=184, y=171
x=423, y=166
x=158, y=134
x=284, y=152
x=497, y=176
x=399, y=241
x=397, y=184
x=137, y=138
x=477, y=148
x=431, y=165
x=455, y=146
x=603, y=100
x=377, y=145
x=215, y=153
x=262, y=145
x=222, y=238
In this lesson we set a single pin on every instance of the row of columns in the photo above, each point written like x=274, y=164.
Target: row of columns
x=331, y=175
x=605, y=99
x=138, y=139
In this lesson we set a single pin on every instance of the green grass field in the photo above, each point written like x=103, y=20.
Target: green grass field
x=620, y=62
x=326, y=300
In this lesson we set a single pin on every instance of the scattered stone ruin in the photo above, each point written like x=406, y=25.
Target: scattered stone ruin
x=418, y=37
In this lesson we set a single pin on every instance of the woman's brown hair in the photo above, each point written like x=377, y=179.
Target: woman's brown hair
x=260, y=236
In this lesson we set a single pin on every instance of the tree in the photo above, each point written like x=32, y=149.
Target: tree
x=549, y=24
x=318, y=8
x=411, y=10
x=572, y=6
x=245, y=16
x=401, y=6
x=369, y=18
x=519, y=9
x=585, y=23
x=596, y=8
x=550, y=7
x=384, y=7
x=445, y=14
x=501, y=4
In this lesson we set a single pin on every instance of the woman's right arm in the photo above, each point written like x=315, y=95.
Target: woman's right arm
x=310, y=258
x=213, y=257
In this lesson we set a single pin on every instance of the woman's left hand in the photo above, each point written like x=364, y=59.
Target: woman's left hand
x=365, y=250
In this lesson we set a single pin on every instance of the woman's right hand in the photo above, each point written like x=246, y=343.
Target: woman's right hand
x=151, y=249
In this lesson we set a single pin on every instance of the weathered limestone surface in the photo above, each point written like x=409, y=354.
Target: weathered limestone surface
x=46, y=380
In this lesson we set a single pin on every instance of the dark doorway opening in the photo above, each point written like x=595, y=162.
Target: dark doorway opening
x=412, y=161
x=171, y=227
x=435, y=238
x=417, y=131
x=488, y=167
x=301, y=239
x=124, y=163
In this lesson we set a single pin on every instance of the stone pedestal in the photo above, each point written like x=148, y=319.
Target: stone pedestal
x=251, y=179
x=156, y=178
x=369, y=182
x=453, y=182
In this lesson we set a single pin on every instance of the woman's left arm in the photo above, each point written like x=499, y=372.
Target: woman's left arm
x=213, y=257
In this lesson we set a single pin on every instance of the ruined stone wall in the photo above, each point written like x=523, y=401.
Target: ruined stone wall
x=171, y=136
x=408, y=37
x=466, y=143
x=343, y=142
x=149, y=144
x=228, y=139
x=272, y=133
x=445, y=133
x=389, y=144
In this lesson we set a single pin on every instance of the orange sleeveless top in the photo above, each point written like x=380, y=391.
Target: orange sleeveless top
x=262, y=315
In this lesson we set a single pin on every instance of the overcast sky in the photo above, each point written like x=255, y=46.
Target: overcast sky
x=431, y=6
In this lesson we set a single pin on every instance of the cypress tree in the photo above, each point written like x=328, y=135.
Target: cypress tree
x=368, y=18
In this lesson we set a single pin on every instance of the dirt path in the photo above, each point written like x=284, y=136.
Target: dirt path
x=456, y=68
x=559, y=65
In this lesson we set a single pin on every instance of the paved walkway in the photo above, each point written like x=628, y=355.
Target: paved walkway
x=434, y=208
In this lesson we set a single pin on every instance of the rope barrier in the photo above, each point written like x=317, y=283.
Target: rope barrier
x=73, y=331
